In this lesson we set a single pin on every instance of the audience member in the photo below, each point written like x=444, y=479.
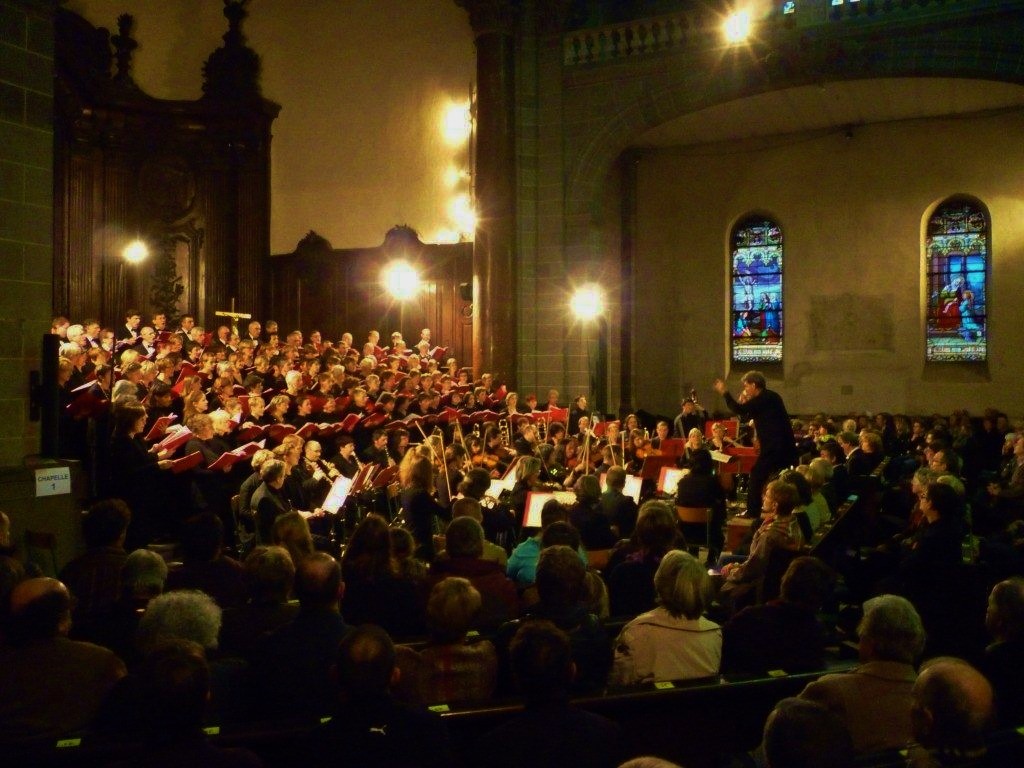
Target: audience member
x=174, y=682
x=561, y=589
x=464, y=549
x=470, y=507
x=269, y=577
x=206, y=567
x=779, y=530
x=1001, y=662
x=674, y=641
x=374, y=591
x=290, y=665
x=551, y=733
x=449, y=668
x=873, y=700
x=142, y=580
x=368, y=726
x=785, y=633
x=803, y=734
x=50, y=686
x=951, y=709
x=522, y=563
x=631, y=568
x=94, y=578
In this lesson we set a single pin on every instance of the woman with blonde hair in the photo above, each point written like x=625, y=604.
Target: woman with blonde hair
x=674, y=641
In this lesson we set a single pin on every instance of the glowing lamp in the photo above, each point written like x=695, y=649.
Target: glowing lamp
x=401, y=280
x=737, y=27
x=135, y=252
x=457, y=123
x=463, y=214
x=587, y=302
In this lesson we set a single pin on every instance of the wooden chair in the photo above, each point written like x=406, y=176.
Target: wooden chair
x=692, y=520
x=41, y=551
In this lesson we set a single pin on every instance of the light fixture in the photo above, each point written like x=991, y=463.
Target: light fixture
x=587, y=302
x=446, y=236
x=454, y=176
x=401, y=280
x=463, y=214
x=457, y=123
x=737, y=27
x=135, y=252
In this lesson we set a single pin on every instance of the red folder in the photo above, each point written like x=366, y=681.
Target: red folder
x=174, y=441
x=278, y=432
x=160, y=426
x=186, y=463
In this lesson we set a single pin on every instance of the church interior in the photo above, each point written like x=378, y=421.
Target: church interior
x=827, y=191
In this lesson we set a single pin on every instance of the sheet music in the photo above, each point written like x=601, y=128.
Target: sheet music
x=337, y=495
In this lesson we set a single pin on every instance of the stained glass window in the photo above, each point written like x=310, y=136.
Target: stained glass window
x=956, y=267
x=756, y=291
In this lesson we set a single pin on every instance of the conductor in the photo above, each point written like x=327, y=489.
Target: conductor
x=774, y=432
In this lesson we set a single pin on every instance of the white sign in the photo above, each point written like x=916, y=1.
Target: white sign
x=53, y=482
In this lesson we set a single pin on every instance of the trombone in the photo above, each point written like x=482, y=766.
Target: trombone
x=505, y=432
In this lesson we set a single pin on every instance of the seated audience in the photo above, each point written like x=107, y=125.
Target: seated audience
x=674, y=641
x=50, y=686
x=561, y=590
x=951, y=709
x=1001, y=662
x=779, y=530
x=175, y=685
x=205, y=566
x=94, y=578
x=374, y=592
x=449, y=669
x=873, y=700
x=550, y=733
x=522, y=563
x=367, y=725
x=632, y=567
x=269, y=577
x=142, y=579
x=470, y=507
x=802, y=734
x=785, y=633
x=463, y=556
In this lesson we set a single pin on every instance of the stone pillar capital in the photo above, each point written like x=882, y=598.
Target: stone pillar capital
x=491, y=16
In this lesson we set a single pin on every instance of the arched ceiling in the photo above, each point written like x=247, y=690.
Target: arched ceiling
x=833, y=105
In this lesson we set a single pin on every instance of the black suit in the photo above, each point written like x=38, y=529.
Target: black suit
x=775, y=436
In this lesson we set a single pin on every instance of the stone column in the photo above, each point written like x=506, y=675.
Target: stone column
x=494, y=299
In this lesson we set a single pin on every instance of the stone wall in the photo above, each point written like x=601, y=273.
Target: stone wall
x=26, y=211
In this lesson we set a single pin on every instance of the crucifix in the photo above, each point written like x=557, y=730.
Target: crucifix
x=235, y=316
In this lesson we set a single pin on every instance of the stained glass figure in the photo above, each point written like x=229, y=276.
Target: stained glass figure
x=756, y=291
x=956, y=267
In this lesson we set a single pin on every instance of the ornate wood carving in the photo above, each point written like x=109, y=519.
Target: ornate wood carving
x=334, y=290
x=191, y=178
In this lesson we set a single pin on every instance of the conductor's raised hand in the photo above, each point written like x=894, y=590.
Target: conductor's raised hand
x=720, y=386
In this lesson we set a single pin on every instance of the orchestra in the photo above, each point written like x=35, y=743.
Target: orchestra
x=373, y=411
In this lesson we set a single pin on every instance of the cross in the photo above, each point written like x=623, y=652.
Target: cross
x=235, y=316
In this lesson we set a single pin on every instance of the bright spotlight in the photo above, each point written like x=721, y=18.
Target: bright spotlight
x=737, y=27
x=463, y=214
x=401, y=280
x=457, y=123
x=135, y=252
x=587, y=303
x=446, y=236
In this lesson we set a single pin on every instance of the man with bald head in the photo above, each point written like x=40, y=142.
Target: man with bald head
x=951, y=709
x=49, y=685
